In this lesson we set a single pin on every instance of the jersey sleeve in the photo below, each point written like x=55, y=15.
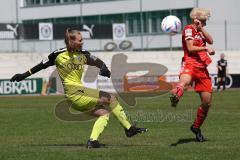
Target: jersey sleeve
x=49, y=61
x=93, y=60
x=188, y=33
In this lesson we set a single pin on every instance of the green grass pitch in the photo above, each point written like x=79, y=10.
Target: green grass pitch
x=30, y=130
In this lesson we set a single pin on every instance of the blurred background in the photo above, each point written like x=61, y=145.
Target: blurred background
x=142, y=19
x=32, y=29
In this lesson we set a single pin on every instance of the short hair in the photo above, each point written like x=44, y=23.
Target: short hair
x=200, y=14
x=222, y=55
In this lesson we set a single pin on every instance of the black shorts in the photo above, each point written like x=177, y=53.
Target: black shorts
x=221, y=75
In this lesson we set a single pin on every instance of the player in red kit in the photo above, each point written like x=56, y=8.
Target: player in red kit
x=194, y=66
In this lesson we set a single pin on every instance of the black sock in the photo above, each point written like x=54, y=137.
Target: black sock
x=224, y=85
x=219, y=84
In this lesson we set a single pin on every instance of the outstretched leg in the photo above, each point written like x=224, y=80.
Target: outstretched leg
x=109, y=103
x=119, y=113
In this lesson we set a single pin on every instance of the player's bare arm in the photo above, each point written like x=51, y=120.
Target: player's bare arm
x=200, y=26
x=193, y=49
x=208, y=37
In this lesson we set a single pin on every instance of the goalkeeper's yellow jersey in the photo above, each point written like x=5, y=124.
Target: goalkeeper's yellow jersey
x=70, y=67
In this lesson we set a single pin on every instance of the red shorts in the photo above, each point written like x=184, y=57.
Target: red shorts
x=200, y=77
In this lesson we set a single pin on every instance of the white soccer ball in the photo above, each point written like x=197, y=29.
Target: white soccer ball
x=171, y=25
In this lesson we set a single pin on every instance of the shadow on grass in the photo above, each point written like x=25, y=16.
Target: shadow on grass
x=184, y=141
x=131, y=145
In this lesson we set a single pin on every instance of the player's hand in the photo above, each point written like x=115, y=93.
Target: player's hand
x=210, y=51
x=18, y=77
x=104, y=71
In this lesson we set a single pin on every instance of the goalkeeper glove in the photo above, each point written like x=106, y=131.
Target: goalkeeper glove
x=104, y=71
x=19, y=77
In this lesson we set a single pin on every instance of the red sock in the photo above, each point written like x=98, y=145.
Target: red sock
x=178, y=90
x=201, y=115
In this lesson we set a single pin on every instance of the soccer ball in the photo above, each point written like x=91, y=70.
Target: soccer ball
x=171, y=25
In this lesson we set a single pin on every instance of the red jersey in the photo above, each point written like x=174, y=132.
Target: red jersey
x=199, y=59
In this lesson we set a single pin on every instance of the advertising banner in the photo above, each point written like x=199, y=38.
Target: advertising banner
x=119, y=31
x=28, y=86
x=45, y=31
x=9, y=31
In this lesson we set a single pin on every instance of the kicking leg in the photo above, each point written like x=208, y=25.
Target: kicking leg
x=177, y=92
x=119, y=113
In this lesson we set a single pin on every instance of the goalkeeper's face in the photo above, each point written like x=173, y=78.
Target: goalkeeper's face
x=78, y=41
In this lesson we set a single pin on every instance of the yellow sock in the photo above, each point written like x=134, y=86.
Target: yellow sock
x=119, y=113
x=99, y=126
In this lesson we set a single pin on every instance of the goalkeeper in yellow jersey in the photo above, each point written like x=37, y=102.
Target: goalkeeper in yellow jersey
x=70, y=63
